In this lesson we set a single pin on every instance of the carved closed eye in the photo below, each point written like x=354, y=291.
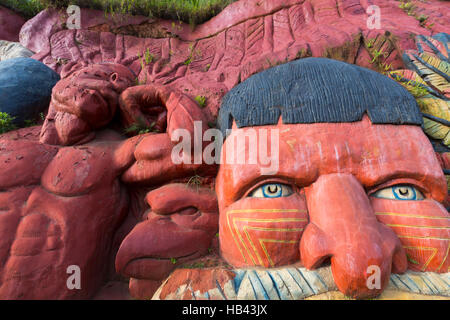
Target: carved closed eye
x=271, y=190
x=400, y=192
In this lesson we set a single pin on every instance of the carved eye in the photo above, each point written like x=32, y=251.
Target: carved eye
x=400, y=192
x=271, y=190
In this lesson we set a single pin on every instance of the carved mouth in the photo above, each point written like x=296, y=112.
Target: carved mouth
x=154, y=268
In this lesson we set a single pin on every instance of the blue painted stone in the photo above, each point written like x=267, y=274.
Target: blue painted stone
x=25, y=88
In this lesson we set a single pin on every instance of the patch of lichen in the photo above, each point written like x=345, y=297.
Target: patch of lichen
x=189, y=11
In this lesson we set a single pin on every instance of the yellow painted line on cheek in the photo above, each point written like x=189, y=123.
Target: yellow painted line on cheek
x=423, y=237
x=410, y=215
x=435, y=250
x=418, y=227
x=235, y=229
x=445, y=258
x=242, y=241
x=246, y=228
x=261, y=242
x=234, y=237
x=265, y=210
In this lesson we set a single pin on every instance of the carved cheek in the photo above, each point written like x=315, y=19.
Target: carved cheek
x=263, y=232
x=423, y=228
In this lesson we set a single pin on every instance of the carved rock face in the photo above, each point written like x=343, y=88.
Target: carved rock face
x=357, y=193
x=58, y=208
x=179, y=227
x=85, y=99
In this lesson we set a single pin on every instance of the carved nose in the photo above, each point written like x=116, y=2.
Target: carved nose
x=344, y=228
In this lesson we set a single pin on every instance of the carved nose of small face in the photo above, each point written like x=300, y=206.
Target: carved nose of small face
x=343, y=227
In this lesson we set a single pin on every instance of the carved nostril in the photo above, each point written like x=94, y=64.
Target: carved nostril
x=114, y=77
x=325, y=262
x=314, y=248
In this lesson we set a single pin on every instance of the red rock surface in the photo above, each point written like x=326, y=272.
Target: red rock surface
x=247, y=37
x=86, y=99
x=59, y=207
x=67, y=207
x=190, y=280
x=10, y=25
x=179, y=228
x=114, y=290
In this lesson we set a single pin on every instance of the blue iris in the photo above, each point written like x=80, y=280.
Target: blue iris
x=272, y=190
x=410, y=193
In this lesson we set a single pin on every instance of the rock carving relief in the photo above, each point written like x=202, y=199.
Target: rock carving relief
x=132, y=170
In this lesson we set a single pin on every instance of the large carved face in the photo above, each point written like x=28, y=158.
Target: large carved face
x=84, y=100
x=346, y=191
x=361, y=194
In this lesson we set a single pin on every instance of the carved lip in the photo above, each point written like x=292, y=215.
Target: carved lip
x=153, y=268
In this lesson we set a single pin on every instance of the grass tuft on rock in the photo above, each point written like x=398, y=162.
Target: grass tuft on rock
x=26, y=8
x=189, y=11
x=6, y=123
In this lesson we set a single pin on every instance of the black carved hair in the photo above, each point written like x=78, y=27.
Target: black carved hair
x=317, y=90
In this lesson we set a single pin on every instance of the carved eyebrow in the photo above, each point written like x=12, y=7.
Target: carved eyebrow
x=243, y=186
x=433, y=184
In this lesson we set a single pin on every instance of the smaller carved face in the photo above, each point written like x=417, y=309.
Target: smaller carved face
x=179, y=227
x=358, y=193
x=84, y=100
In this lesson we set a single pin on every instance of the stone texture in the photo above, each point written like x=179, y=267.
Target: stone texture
x=198, y=284
x=86, y=99
x=70, y=206
x=25, y=88
x=59, y=207
x=245, y=38
x=143, y=289
x=289, y=283
x=9, y=50
x=114, y=290
x=180, y=227
x=11, y=24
